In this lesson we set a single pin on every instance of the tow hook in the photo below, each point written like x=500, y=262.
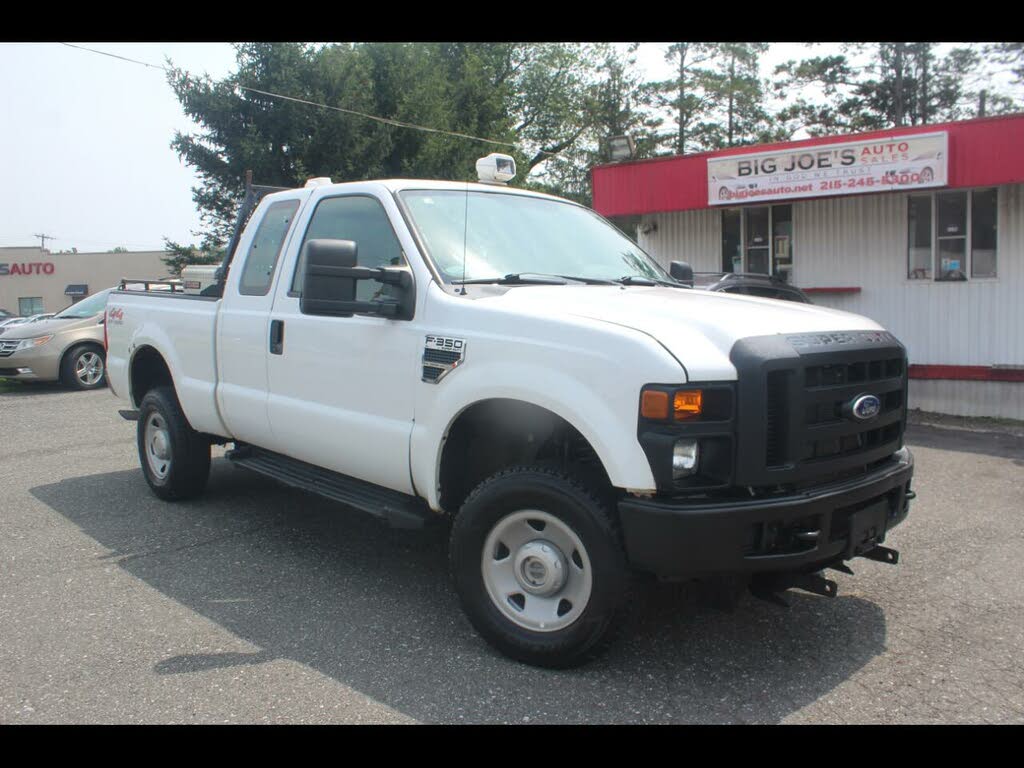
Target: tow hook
x=769, y=586
x=882, y=555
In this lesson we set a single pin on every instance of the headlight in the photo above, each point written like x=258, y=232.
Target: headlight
x=685, y=454
x=665, y=403
x=688, y=432
x=38, y=341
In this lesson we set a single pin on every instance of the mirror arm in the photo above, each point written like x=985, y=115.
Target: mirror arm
x=385, y=308
x=380, y=274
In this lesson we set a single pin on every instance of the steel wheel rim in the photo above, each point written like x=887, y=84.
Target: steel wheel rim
x=536, y=571
x=157, y=443
x=89, y=368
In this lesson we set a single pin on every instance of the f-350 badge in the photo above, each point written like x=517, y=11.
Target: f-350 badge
x=442, y=355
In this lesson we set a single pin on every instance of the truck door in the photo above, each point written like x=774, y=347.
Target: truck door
x=244, y=321
x=341, y=388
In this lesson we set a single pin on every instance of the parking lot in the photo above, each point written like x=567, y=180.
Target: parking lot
x=261, y=604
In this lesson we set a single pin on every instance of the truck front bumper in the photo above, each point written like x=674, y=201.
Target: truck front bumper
x=801, y=531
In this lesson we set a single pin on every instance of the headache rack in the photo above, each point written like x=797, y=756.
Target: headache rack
x=174, y=286
x=253, y=194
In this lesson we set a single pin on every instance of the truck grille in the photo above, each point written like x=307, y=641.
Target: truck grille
x=829, y=388
x=795, y=400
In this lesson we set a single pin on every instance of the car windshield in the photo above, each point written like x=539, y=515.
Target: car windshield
x=86, y=307
x=485, y=235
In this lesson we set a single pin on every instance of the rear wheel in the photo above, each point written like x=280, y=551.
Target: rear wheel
x=538, y=565
x=84, y=368
x=175, y=458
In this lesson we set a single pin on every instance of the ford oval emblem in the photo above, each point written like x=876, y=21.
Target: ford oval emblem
x=865, y=407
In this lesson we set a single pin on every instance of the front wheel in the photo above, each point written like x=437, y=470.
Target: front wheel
x=538, y=565
x=84, y=368
x=175, y=458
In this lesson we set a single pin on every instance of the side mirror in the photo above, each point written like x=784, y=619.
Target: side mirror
x=329, y=283
x=323, y=284
x=681, y=272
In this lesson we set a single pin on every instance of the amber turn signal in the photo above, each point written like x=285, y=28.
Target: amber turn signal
x=654, y=404
x=688, y=404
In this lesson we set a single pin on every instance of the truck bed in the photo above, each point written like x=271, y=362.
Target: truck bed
x=181, y=327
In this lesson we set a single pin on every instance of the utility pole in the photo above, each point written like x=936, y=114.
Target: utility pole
x=981, y=103
x=43, y=239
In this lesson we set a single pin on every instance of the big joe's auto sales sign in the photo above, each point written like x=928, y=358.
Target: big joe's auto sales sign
x=848, y=168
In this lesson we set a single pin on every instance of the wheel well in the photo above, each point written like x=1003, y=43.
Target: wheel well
x=148, y=370
x=498, y=433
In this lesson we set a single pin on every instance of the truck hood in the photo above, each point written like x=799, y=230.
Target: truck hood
x=698, y=328
x=44, y=327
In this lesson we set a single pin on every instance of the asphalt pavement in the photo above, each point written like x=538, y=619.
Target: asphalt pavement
x=257, y=603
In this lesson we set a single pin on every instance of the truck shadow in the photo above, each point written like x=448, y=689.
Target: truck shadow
x=302, y=578
x=1004, y=445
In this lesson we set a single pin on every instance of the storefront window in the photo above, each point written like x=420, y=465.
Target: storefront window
x=919, y=246
x=951, y=234
x=937, y=245
x=984, y=204
x=30, y=305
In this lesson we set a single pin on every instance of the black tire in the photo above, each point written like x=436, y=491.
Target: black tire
x=188, y=464
x=75, y=373
x=590, y=519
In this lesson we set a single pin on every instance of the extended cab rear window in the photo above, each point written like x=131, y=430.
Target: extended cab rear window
x=261, y=260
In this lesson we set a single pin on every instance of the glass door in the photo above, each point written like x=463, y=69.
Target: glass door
x=758, y=245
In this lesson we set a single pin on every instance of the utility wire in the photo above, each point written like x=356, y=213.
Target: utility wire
x=377, y=118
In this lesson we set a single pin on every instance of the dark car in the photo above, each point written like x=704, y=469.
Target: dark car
x=749, y=284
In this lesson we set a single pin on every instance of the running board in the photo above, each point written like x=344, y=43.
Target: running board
x=398, y=509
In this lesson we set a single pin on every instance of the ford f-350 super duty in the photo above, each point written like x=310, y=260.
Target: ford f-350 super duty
x=512, y=364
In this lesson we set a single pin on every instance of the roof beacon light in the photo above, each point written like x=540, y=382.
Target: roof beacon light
x=319, y=181
x=496, y=169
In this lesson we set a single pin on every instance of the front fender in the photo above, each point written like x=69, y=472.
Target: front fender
x=604, y=412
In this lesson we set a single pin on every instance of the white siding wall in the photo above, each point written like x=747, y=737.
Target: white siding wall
x=691, y=236
x=1003, y=399
x=862, y=241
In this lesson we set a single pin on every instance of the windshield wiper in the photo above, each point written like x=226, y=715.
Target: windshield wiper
x=590, y=280
x=640, y=280
x=526, y=278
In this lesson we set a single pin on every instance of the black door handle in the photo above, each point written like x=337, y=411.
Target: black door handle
x=277, y=337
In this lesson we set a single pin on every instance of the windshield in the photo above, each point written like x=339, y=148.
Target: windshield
x=86, y=307
x=505, y=234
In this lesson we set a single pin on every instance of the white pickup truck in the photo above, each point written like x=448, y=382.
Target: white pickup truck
x=511, y=363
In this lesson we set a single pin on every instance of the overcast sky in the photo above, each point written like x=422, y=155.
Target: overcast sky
x=86, y=138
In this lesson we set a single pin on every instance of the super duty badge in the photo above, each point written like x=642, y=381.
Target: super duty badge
x=441, y=355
